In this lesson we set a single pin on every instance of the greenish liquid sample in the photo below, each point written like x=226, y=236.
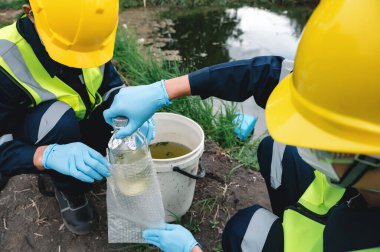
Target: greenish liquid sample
x=165, y=150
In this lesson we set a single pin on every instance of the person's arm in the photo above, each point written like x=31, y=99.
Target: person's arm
x=15, y=156
x=233, y=81
x=238, y=80
x=196, y=249
x=178, y=87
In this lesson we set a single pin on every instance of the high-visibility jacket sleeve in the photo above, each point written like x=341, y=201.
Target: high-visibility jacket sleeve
x=238, y=80
x=14, y=154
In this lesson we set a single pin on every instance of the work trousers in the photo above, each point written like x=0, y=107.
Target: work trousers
x=55, y=122
x=287, y=177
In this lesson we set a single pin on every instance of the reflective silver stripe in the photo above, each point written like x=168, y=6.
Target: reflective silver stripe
x=278, y=149
x=107, y=95
x=50, y=118
x=12, y=56
x=101, y=68
x=6, y=138
x=81, y=78
x=257, y=231
x=286, y=68
x=276, y=165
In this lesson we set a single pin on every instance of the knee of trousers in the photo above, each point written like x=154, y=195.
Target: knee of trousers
x=236, y=228
x=59, y=125
x=264, y=156
x=249, y=230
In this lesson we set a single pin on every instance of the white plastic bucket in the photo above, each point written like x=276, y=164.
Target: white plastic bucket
x=178, y=189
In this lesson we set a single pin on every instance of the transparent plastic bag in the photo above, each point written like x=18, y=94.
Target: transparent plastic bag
x=134, y=200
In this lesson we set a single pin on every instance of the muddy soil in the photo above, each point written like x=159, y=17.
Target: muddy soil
x=30, y=221
x=152, y=31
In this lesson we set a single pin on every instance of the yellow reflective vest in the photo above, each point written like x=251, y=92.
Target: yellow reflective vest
x=303, y=228
x=303, y=224
x=18, y=61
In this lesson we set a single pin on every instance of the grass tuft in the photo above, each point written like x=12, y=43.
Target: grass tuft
x=11, y=4
x=193, y=3
x=141, y=68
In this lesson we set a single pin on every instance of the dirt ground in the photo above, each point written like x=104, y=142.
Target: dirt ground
x=6, y=16
x=30, y=221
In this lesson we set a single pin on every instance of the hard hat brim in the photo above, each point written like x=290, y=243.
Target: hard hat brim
x=80, y=59
x=287, y=125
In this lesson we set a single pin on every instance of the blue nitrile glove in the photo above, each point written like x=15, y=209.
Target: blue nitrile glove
x=148, y=129
x=76, y=160
x=138, y=104
x=244, y=125
x=173, y=238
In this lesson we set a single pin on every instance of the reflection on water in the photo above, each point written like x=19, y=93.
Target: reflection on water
x=263, y=33
x=205, y=38
x=201, y=36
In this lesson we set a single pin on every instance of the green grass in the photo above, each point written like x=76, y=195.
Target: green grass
x=4, y=24
x=11, y=4
x=141, y=68
x=136, y=68
x=198, y=211
x=245, y=153
x=194, y=222
x=218, y=248
x=186, y=3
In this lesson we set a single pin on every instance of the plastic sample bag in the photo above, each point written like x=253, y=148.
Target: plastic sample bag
x=134, y=200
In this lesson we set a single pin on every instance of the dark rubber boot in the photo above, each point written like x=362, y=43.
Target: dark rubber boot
x=78, y=214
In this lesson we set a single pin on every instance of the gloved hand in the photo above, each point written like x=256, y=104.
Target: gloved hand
x=138, y=104
x=76, y=160
x=174, y=238
x=148, y=129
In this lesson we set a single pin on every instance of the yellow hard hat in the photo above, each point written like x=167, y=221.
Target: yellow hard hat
x=332, y=99
x=77, y=33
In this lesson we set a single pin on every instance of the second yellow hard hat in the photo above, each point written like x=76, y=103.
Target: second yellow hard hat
x=332, y=100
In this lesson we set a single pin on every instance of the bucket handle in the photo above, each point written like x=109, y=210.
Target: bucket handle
x=201, y=171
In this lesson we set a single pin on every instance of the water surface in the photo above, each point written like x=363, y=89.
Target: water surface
x=207, y=37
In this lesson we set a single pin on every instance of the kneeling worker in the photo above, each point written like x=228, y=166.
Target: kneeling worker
x=56, y=78
x=325, y=193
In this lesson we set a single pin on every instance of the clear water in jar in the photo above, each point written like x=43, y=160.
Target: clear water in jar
x=132, y=171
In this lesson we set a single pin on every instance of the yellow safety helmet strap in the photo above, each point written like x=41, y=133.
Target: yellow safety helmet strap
x=356, y=170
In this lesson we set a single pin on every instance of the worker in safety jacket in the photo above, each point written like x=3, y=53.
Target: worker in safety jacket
x=324, y=193
x=56, y=78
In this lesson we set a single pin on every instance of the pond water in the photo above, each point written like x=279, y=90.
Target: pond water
x=207, y=37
